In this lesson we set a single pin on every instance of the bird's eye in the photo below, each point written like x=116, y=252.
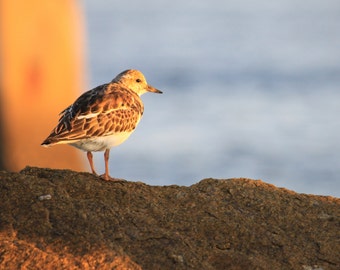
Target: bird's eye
x=138, y=80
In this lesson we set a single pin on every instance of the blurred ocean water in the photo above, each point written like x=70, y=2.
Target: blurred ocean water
x=251, y=89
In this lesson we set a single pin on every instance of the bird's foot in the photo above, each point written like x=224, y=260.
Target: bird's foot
x=107, y=177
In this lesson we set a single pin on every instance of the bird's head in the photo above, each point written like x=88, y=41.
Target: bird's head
x=135, y=80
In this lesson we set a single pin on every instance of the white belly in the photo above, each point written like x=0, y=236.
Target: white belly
x=101, y=143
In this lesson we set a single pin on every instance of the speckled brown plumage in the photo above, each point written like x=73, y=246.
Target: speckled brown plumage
x=104, y=116
x=114, y=108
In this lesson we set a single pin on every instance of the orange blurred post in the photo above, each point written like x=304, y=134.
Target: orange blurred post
x=41, y=54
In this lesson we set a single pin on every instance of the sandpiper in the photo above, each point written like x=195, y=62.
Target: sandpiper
x=103, y=117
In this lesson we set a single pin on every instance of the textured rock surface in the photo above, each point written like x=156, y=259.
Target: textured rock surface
x=70, y=220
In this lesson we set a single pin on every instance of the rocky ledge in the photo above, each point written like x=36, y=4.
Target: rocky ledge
x=60, y=219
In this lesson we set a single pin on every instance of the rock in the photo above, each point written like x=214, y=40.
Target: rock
x=69, y=220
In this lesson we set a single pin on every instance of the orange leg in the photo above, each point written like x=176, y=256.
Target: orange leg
x=90, y=158
x=106, y=175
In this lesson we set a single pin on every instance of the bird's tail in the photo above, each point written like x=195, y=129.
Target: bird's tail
x=46, y=143
x=49, y=142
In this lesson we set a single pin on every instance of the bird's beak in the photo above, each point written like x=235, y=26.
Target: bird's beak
x=153, y=90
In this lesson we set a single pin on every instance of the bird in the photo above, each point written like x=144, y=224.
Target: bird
x=103, y=117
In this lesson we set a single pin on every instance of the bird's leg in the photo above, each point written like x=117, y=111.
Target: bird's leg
x=90, y=158
x=106, y=175
x=106, y=158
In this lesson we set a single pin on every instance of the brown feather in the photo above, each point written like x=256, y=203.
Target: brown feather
x=118, y=109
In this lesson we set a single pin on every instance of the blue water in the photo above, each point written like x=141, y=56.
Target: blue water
x=251, y=89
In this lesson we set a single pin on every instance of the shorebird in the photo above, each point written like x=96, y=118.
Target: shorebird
x=103, y=117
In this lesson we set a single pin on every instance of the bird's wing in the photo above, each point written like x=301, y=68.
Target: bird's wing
x=102, y=111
